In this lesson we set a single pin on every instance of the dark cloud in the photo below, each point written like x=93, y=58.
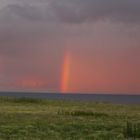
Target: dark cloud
x=29, y=12
x=78, y=11
x=17, y=33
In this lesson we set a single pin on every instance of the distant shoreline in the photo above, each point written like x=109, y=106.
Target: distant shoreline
x=108, y=98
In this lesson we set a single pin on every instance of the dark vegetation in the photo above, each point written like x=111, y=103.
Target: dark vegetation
x=132, y=130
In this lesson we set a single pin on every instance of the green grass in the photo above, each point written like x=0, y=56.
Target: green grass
x=35, y=119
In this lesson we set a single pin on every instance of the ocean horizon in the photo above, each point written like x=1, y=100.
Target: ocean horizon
x=95, y=97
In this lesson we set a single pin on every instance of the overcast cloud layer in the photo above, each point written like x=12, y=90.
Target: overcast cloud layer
x=34, y=35
x=72, y=11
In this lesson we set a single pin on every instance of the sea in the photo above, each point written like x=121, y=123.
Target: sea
x=105, y=98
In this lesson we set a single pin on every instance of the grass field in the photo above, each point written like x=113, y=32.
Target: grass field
x=34, y=119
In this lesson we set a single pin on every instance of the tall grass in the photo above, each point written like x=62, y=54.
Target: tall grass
x=132, y=130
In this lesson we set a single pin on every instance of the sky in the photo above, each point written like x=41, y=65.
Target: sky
x=84, y=46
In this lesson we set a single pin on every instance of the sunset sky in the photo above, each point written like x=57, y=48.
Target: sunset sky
x=84, y=46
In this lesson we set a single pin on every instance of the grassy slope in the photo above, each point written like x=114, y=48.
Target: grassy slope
x=30, y=119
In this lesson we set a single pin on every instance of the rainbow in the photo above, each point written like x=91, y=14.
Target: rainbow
x=65, y=73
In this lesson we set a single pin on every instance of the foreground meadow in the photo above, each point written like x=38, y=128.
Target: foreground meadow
x=34, y=119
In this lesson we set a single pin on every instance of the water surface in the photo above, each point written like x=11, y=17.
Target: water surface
x=120, y=99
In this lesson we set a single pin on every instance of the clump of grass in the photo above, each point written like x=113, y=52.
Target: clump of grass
x=20, y=100
x=132, y=130
x=82, y=113
x=27, y=100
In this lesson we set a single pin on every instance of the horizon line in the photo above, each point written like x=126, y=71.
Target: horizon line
x=68, y=93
